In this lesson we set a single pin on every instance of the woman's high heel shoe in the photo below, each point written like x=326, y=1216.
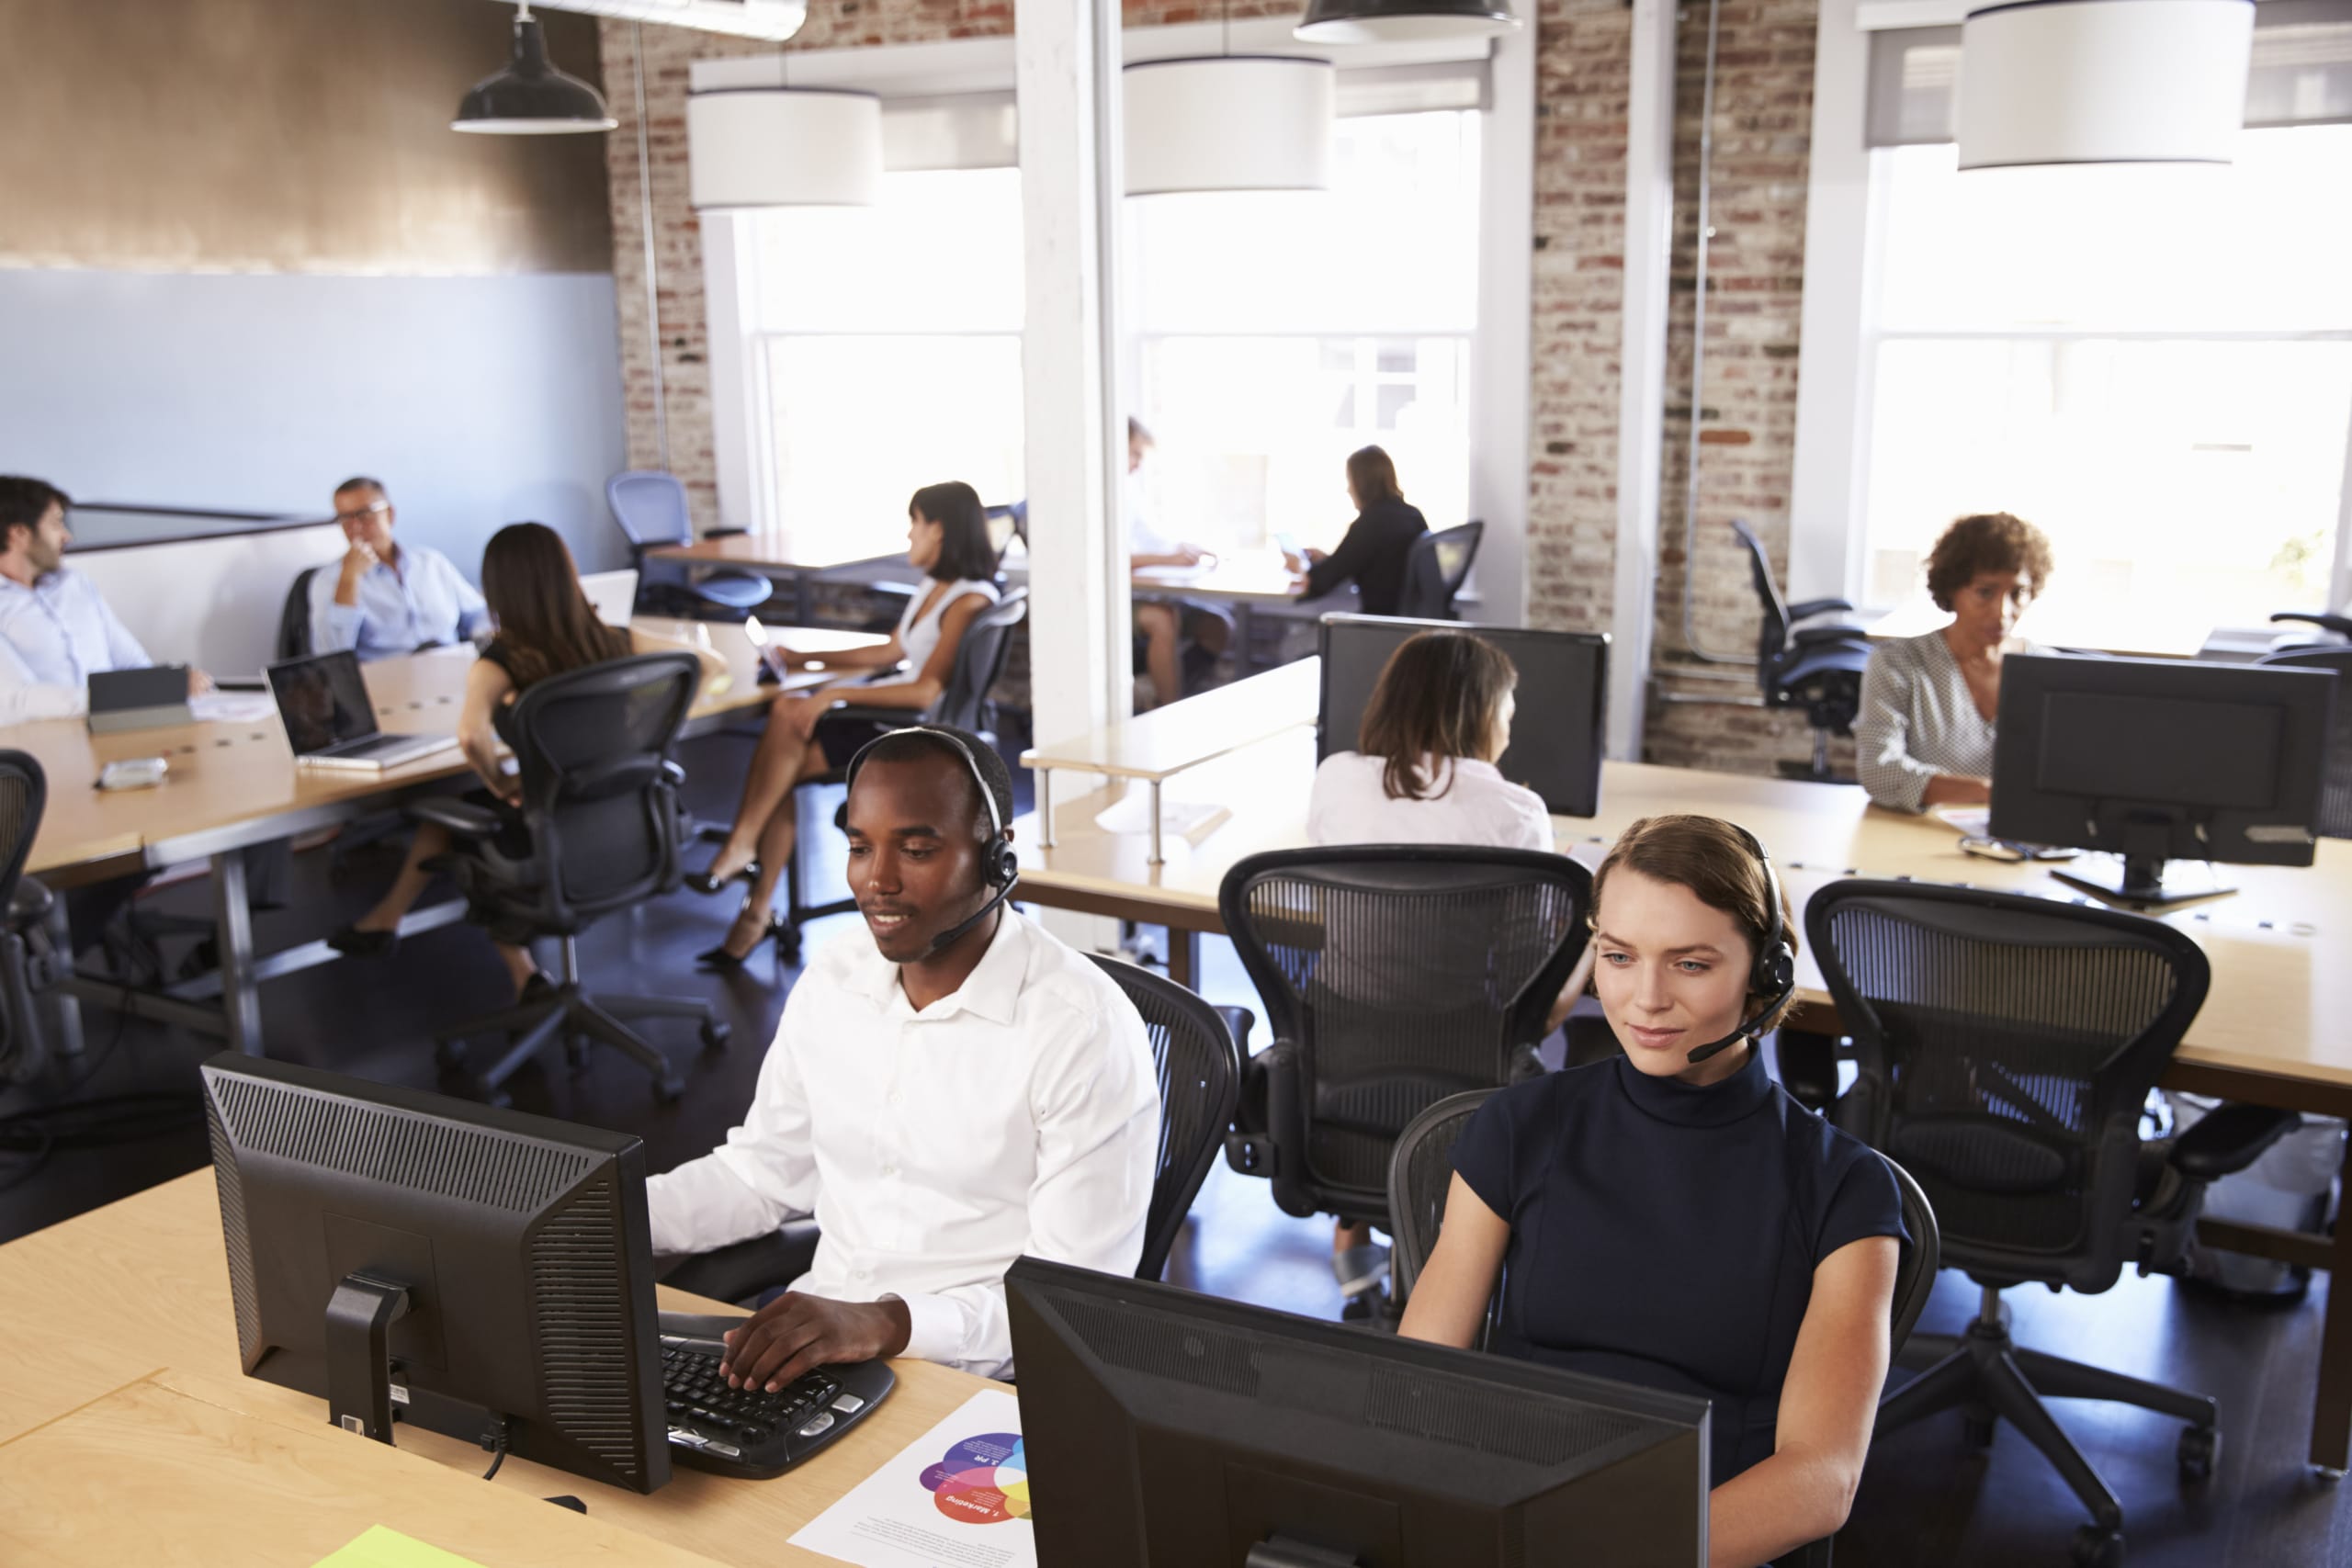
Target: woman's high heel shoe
x=703, y=882
x=778, y=931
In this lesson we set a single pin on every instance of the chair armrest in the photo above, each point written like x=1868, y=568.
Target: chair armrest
x=1819, y=607
x=2229, y=1139
x=1836, y=632
x=1240, y=1020
x=29, y=905
x=462, y=818
x=2340, y=625
x=723, y=533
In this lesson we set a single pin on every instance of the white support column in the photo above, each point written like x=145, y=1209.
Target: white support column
x=1067, y=75
x=1640, y=408
x=1500, y=437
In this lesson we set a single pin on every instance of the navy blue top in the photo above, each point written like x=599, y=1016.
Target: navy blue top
x=1666, y=1235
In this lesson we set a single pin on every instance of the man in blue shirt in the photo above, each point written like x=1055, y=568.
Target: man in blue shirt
x=55, y=628
x=386, y=598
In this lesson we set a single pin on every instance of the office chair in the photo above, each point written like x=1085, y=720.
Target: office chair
x=2335, y=799
x=29, y=961
x=1199, y=1068
x=599, y=801
x=980, y=659
x=294, y=619
x=1392, y=975
x=650, y=507
x=1818, y=668
x=2007, y=1046
x=1435, y=569
x=2332, y=630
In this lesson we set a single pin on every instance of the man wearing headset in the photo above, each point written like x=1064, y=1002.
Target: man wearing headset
x=952, y=1091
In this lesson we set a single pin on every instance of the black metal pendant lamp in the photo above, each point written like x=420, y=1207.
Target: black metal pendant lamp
x=531, y=97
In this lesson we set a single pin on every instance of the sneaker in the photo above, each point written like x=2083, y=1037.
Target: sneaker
x=1361, y=1269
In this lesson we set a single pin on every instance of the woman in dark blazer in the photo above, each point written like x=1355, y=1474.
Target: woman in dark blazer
x=1374, y=553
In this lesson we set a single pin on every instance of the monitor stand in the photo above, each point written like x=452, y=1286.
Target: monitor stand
x=359, y=1368
x=2139, y=879
x=1282, y=1551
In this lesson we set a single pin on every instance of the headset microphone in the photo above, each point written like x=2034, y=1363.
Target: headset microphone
x=1000, y=866
x=1775, y=974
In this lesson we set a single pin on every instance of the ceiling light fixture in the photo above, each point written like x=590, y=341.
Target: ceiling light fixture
x=531, y=97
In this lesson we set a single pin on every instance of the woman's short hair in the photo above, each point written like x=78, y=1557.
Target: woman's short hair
x=1714, y=859
x=1990, y=541
x=964, y=553
x=1439, y=695
x=1373, y=474
x=545, y=621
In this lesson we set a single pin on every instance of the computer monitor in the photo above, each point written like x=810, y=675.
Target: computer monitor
x=1558, y=738
x=2158, y=760
x=1164, y=1430
x=409, y=1257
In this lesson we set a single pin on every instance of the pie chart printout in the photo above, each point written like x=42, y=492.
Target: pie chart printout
x=983, y=1480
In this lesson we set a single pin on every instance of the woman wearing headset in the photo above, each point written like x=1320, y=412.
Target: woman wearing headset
x=1671, y=1217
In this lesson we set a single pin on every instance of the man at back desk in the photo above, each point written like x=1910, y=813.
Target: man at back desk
x=56, y=631
x=385, y=598
x=948, y=1090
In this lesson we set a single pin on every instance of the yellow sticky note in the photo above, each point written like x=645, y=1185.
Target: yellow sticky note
x=381, y=1547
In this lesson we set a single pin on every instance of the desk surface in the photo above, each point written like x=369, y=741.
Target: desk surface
x=226, y=774
x=156, y=1261
x=2279, y=1003
x=2056, y=624
x=752, y=552
x=1167, y=740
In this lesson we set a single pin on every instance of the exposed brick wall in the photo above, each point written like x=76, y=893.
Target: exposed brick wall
x=1764, y=83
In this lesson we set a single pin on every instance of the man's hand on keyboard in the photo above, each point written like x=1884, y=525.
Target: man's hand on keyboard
x=795, y=1333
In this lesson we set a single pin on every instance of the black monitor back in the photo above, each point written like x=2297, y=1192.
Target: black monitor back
x=522, y=1244
x=1556, y=741
x=2162, y=759
x=1165, y=1429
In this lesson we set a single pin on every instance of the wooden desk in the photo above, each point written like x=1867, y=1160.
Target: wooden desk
x=1156, y=746
x=234, y=785
x=157, y=1263
x=2054, y=623
x=2276, y=1029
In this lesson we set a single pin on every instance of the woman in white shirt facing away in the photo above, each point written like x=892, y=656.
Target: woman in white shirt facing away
x=1423, y=771
x=947, y=540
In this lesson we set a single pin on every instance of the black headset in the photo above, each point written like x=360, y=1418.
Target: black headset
x=999, y=863
x=1775, y=974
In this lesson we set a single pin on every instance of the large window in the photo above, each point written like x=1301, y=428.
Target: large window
x=884, y=354
x=1277, y=332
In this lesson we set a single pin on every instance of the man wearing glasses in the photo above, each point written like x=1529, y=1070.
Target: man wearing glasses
x=386, y=598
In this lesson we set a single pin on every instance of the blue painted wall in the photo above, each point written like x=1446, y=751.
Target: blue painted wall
x=479, y=400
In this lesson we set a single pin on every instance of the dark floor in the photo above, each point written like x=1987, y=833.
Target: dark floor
x=1928, y=1500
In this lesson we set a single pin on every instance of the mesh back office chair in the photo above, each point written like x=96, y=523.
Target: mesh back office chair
x=1818, y=668
x=1435, y=570
x=27, y=961
x=1200, y=1079
x=964, y=703
x=1199, y=1068
x=1393, y=975
x=600, y=802
x=2007, y=1046
x=294, y=620
x=650, y=507
x=2336, y=800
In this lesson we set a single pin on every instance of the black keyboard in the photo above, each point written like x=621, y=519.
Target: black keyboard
x=751, y=1432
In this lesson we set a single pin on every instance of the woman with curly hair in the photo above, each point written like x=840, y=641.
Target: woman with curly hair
x=1925, y=734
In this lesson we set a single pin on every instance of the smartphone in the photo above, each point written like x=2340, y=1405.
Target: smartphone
x=1287, y=544
x=134, y=772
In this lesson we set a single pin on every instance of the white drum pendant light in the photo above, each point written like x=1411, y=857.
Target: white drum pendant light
x=2103, y=82
x=1229, y=122
x=783, y=147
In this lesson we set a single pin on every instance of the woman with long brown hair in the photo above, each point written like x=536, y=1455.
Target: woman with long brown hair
x=1378, y=544
x=545, y=627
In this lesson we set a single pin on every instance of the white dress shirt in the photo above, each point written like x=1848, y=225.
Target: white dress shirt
x=1474, y=805
x=427, y=600
x=1019, y=1114
x=53, y=635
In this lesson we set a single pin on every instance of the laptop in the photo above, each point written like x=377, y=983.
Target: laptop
x=613, y=594
x=138, y=699
x=330, y=722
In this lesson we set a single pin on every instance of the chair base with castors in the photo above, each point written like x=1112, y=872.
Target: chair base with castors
x=1992, y=1378
x=566, y=1010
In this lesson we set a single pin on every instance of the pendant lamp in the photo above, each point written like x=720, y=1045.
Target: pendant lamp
x=2103, y=82
x=531, y=97
x=1229, y=122
x=750, y=147
x=1402, y=21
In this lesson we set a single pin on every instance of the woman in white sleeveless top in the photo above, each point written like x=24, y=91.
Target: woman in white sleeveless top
x=947, y=537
